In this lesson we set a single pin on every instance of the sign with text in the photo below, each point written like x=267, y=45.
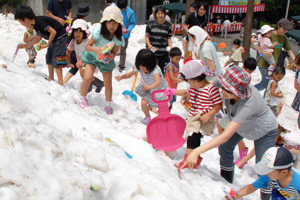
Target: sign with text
x=236, y=2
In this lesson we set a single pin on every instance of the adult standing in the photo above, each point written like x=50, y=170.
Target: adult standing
x=197, y=18
x=283, y=25
x=250, y=117
x=158, y=37
x=59, y=10
x=129, y=24
x=205, y=50
x=225, y=27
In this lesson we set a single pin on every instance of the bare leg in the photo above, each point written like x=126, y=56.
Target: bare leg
x=88, y=77
x=241, y=145
x=68, y=77
x=59, y=75
x=107, y=79
x=51, y=72
x=145, y=107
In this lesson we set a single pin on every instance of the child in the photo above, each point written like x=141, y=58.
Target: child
x=273, y=92
x=205, y=101
x=250, y=66
x=51, y=30
x=276, y=172
x=172, y=71
x=236, y=52
x=110, y=31
x=267, y=46
x=152, y=80
x=296, y=102
x=29, y=35
x=79, y=37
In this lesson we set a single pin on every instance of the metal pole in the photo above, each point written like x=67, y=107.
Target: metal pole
x=287, y=9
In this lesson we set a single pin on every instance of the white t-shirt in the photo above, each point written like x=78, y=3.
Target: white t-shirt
x=78, y=48
x=226, y=23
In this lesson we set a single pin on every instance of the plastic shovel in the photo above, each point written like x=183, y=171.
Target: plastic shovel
x=165, y=131
x=221, y=45
x=15, y=54
x=130, y=93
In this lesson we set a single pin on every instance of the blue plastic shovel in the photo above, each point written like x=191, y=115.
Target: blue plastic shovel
x=131, y=93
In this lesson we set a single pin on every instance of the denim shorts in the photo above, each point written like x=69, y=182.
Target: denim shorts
x=56, y=49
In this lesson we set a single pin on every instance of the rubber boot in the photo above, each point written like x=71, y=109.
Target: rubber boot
x=242, y=153
x=178, y=165
x=264, y=196
x=99, y=85
x=227, y=175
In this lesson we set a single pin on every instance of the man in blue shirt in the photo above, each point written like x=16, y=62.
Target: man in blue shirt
x=129, y=24
x=276, y=172
x=59, y=10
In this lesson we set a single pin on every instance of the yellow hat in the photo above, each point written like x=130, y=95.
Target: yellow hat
x=112, y=13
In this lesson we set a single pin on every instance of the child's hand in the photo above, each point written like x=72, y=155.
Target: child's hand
x=275, y=43
x=280, y=94
x=204, y=118
x=71, y=65
x=118, y=78
x=110, y=57
x=98, y=52
x=146, y=88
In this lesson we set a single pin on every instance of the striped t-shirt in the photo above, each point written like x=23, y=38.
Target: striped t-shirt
x=158, y=36
x=203, y=99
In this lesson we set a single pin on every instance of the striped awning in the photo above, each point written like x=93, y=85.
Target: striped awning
x=235, y=9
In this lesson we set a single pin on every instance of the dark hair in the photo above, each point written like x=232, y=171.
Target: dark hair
x=194, y=5
x=237, y=42
x=146, y=58
x=289, y=169
x=72, y=34
x=122, y=3
x=175, y=51
x=109, y=1
x=159, y=8
x=250, y=63
x=24, y=12
x=200, y=4
x=297, y=59
x=198, y=78
x=105, y=33
x=279, y=70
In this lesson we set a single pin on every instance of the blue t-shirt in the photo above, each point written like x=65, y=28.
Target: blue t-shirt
x=59, y=9
x=128, y=20
x=291, y=192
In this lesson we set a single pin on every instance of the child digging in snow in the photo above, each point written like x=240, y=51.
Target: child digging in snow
x=205, y=101
x=152, y=80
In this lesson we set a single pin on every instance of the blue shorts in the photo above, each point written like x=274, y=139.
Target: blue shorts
x=173, y=99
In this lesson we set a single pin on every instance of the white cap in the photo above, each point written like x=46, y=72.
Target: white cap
x=193, y=69
x=266, y=28
x=80, y=23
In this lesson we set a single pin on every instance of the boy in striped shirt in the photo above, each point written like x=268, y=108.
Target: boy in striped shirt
x=205, y=101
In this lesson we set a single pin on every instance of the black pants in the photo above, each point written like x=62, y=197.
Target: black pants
x=194, y=141
x=162, y=61
x=73, y=62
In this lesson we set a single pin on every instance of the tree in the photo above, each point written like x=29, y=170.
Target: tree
x=247, y=29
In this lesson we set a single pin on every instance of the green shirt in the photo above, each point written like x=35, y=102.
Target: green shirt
x=282, y=42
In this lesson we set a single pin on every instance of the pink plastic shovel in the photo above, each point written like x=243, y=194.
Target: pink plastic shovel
x=165, y=131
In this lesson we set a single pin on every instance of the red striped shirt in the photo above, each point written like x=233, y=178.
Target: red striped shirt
x=203, y=99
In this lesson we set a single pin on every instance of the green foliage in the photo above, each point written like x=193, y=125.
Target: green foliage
x=275, y=10
x=264, y=23
x=13, y=3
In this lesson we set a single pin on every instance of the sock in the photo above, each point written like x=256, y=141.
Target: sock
x=82, y=97
x=108, y=103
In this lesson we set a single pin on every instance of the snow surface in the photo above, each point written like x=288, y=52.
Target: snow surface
x=50, y=148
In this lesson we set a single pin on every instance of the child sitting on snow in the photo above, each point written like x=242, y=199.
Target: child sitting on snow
x=236, y=52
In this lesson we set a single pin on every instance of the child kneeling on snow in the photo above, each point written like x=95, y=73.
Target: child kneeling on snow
x=205, y=101
x=275, y=170
x=152, y=80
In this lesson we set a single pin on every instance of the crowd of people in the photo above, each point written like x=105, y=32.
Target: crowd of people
x=217, y=95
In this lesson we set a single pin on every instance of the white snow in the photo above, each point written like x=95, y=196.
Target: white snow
x=50, y=148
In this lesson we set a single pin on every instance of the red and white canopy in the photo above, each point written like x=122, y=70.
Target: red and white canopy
x=235, y=9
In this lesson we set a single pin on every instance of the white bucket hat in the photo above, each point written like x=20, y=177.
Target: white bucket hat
x=200, y=35
x=80, y=23
x=266, y=28
x=112, y=13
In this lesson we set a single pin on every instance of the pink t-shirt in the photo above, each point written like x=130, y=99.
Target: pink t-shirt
x=266, y=44
x=78, y=48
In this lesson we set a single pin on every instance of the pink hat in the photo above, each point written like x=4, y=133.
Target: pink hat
x=236, y=80
x=80, y=23
x=193, y=69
